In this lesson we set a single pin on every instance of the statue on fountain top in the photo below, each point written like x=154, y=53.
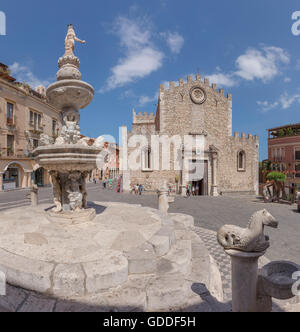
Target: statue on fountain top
x=70, y=41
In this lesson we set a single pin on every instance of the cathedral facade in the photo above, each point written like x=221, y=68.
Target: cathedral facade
x=197, y=109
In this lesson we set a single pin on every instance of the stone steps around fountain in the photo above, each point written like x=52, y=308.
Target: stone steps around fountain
x=171, y=289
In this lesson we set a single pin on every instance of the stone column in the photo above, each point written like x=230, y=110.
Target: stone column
x=244, y=267
x=1, y=181
x=28, y=179
x=214, y=186
x=34, y=195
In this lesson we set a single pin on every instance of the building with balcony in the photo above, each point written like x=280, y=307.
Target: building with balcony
x=284, y=151
x=109, y=163
x=24, y=116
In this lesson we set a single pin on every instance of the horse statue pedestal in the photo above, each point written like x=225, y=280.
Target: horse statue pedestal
x=244, y=267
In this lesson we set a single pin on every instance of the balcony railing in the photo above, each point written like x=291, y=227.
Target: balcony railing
x=10, y=122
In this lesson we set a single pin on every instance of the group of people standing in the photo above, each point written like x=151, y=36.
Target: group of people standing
x=113, y=184
x=138, y=189
x=192, y=190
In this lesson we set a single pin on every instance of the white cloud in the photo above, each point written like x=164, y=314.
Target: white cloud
x=175, y=41
x=24, y=74
x=141, y=56
x=267, y=106
x=225, y=80
x=261, y=64
x=285, y=101
x=298, y=64
x=287, y=80
x=144, y=100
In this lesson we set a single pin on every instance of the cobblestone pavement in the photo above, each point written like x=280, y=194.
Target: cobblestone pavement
x=222, y=260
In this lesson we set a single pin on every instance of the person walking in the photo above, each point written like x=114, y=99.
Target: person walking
x=140, y=189
x=136, y=189
x=188, y=190
x=193, y=190
x=197, y=190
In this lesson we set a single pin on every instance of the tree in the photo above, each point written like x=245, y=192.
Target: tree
x=278, y=179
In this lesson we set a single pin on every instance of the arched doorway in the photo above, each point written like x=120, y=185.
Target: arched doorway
x=39, y=177
x=12, y=176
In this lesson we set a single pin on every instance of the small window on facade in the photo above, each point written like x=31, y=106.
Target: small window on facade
x=39, y=120
x=35, y=121
x=10, y=145
x=146, y=158
x=297, y=170
x=31, y=117
x=297, y=155
x=241, y=161
x=10, y=113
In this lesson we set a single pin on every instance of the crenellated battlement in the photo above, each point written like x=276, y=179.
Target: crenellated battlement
x=139, y=118
x=190, y=80
x=236, y=136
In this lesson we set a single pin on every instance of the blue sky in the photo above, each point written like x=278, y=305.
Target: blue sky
x=247, y=47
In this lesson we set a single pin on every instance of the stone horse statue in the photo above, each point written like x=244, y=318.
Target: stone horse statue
x=250, y=239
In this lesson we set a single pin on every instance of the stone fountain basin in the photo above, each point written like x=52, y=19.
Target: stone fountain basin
x=84, y=259
x=67, y=157
x=277, y=279
x=70, y=93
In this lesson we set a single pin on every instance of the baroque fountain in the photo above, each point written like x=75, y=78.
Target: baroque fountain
x=78, y=255
x=70, y=159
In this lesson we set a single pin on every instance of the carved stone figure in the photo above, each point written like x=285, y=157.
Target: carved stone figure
x=70, y=41
x=82, y=187
x=75, y=201
x=73, y=189
x=250, y=239
x=84, y=141
x=99, y=142
x=70, y=134
x=45, y=140
x=56, y=191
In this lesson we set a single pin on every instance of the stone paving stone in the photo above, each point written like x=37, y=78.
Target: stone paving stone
x=35, y=303
x=13, y=299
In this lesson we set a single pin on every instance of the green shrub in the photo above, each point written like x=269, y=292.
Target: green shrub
x=289, y=132
x=276, y=176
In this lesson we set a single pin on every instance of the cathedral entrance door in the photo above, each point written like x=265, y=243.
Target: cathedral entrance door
x=200, y=185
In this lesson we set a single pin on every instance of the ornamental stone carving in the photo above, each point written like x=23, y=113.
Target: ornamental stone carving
x=250, y=239
x=198, y=95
